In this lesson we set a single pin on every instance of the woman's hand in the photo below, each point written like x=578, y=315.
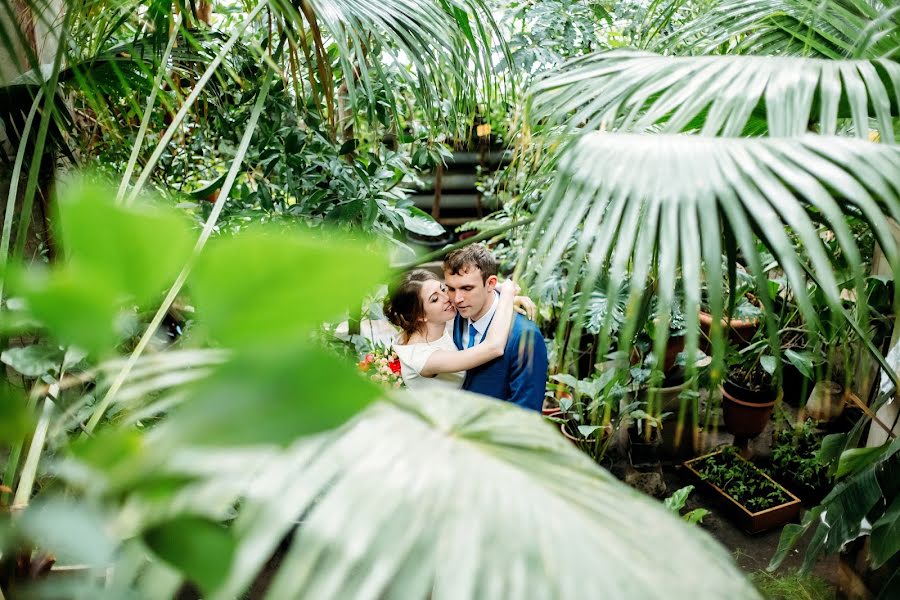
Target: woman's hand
x=525, y=306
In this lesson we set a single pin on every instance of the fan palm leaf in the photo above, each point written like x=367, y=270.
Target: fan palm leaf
x=652, y=206
x=720, y=95
x=833, y=29
x=457, y=497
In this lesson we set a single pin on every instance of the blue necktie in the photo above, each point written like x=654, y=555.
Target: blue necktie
x=472, y=333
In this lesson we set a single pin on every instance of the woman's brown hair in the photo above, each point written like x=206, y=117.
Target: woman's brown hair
x=403, y=307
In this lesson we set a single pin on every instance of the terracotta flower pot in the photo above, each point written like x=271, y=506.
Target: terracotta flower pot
x=739, y=331
x=745, y=419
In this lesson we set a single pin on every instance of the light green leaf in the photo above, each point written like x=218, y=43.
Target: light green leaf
x=138, y=250
x=418, y=221
x=75, y=533
x=768, y=363
x=415, y=535
x=258, y=288
x=199, y=548
x=269, y=397
x=695, y=516
x=676, y=501
x=79, y=308
x=855, y=460
x=801, y=361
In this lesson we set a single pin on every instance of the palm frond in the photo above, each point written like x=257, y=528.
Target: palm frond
x=456, y=497
x=719, y=95
x=832, y=29
x=649, y=206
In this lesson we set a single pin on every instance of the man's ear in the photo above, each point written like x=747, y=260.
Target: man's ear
x=491, y=283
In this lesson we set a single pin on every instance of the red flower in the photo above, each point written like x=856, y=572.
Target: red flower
x=395, y=365
x=370, y=358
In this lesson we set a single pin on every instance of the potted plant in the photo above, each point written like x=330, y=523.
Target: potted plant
x=748, y=392
x=742, y=320
x=587, y=408
x=753, y=499
x=644, y=438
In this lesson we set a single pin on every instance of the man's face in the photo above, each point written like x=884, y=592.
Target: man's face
x=469, y=293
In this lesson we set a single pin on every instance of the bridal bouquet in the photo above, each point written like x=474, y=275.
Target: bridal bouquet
x=381, y=364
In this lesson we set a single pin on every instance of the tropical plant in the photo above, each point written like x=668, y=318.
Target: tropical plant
x=196, y=480
x=668, y=161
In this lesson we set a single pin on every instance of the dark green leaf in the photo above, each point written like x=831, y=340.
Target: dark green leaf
x=197, y=547
x=886, y=535
x=348, y=147
x=15, y=419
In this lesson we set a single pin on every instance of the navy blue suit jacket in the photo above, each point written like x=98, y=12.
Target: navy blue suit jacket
x=520, y=375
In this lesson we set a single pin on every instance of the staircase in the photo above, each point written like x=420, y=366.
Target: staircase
x=449, y=194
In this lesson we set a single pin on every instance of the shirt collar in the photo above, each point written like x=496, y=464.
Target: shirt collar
x=481, y=324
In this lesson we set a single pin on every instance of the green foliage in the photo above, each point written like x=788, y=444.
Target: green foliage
x=792, y=586
x=740, y=480
x=201, y=549
x=15, y=418
x=242, y=282
x=867, y=491
x=796, y=461
x=276, y=396
x=676, y=502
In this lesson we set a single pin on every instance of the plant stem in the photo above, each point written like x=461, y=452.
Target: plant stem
x=14, y=190
x=189, y=101
x=462, y=244
x=182, y=277
x=29, y=470
x=145, y=121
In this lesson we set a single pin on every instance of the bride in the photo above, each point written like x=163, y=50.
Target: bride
x=422, y=310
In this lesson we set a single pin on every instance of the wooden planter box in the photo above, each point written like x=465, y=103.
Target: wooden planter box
x=749, y=521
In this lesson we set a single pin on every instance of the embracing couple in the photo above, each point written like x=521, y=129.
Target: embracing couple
x=464, y=332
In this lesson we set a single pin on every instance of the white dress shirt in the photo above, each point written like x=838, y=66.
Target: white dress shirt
x=481, y=325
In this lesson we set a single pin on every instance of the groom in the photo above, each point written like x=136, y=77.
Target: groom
x=520, y=375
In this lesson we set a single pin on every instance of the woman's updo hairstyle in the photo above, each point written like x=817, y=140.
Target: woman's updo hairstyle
x=403, y=305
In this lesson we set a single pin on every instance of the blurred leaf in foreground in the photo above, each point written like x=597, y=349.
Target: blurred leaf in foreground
x=199, y=548
x=258, y=288
x=15, y=420
x=269, y=397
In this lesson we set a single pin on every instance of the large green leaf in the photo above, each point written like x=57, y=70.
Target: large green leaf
x=460, y=496
x=886, y=535
x=262, y=287
x=201, y=549
x=645, y=207
x=637, y=91
x=833, y=28
x=138, y=250
x=268, y=397
x=79, y=308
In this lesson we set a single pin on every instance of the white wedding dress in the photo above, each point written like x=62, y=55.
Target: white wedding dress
x=414, y=356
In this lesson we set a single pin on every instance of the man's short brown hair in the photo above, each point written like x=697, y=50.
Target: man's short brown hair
x=475, y=256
